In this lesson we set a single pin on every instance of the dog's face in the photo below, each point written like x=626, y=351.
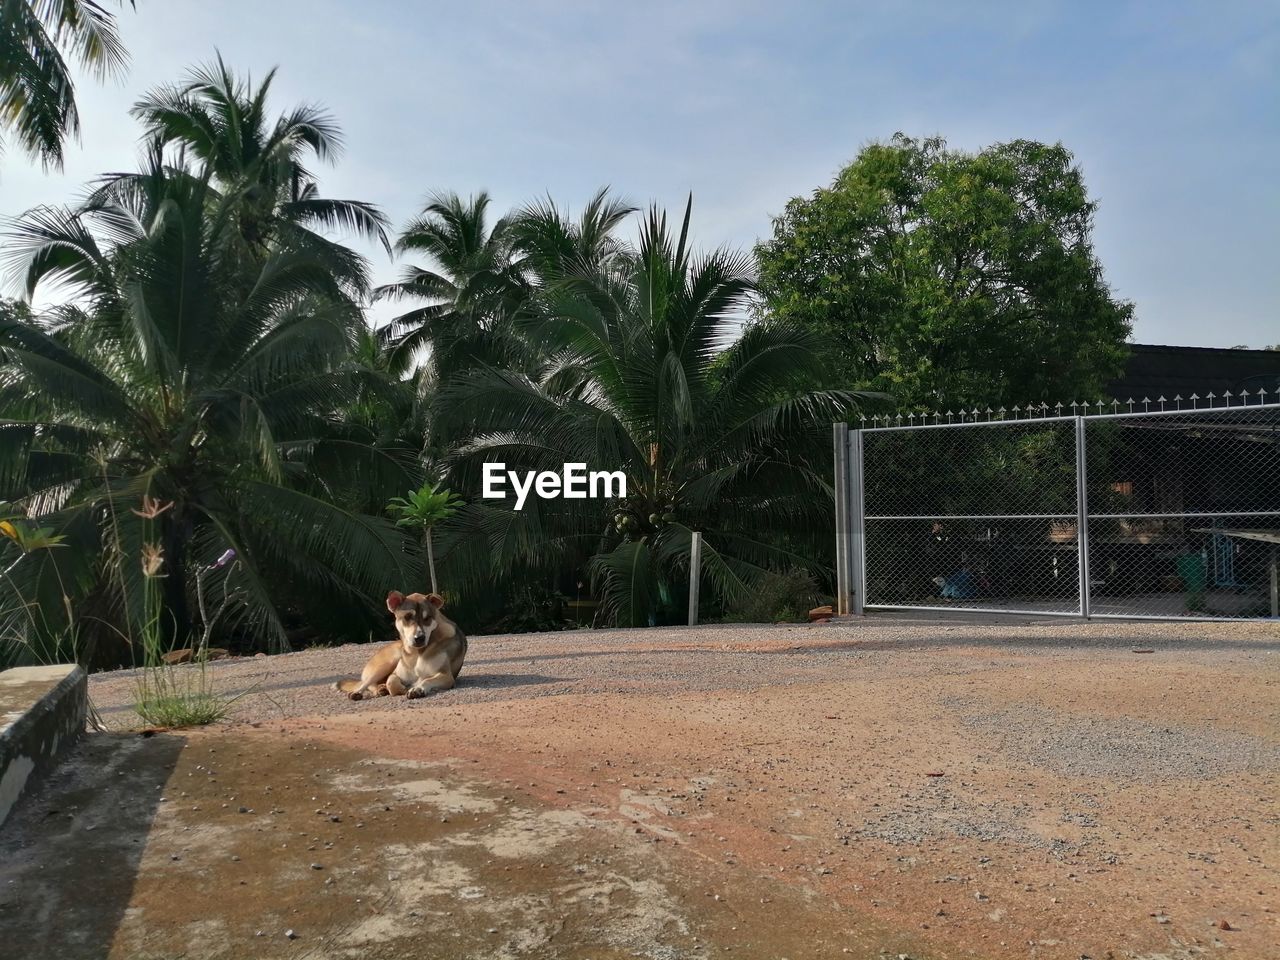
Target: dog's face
x=415, y=617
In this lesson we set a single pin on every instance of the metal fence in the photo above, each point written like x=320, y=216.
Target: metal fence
x=1113, y=512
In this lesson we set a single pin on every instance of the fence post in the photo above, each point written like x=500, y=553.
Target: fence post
x=840, y=445
x=1082, y=515
x=857, y=525
x=695, y=577
x=1275, y=581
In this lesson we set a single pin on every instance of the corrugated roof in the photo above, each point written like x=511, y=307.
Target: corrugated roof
x=1154, y=370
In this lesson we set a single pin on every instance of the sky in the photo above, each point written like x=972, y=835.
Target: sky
x=1172, y=110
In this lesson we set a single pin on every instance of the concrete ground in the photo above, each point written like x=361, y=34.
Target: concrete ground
x=895, y=787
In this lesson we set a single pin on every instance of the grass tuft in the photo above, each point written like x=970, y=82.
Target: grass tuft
x=172, y=697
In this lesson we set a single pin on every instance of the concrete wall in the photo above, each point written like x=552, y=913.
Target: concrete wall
x=42, y=712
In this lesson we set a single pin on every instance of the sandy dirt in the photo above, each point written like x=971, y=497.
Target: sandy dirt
x=896, y=788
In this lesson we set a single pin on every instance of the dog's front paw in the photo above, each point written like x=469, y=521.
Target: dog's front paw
x=413, y=693
x=355, y=695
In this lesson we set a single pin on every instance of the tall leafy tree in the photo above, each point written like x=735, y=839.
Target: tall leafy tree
x=220, y=127
x=948, y=278
x=550, y=242
x=37, y=94
x=467, y=292
x=178, y=373
x=717, y=429
x=480, y=279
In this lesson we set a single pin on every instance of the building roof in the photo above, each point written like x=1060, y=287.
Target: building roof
x=1155, y=370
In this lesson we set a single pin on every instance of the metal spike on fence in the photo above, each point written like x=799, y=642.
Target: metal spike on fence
x=1162, y=401
x=1194, y=398
x=1115, y=406
x=1227, y=398
x=1057, y=408
x=898, y=419
x=1099, y=405
x=1244, y=398
x=1001, y=412
x=1074, y=408
x=1209, y=396
x=1262, y=394
x=1130, y=402
x=1146, y=404
x=1177, y=399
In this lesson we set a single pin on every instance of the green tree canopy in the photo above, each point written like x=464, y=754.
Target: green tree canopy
x=37, y=94
x=950, y=278
x=218, y=126
x=210, y=382
x=717, y=429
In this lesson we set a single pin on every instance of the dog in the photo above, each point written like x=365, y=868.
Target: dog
x=427, y=656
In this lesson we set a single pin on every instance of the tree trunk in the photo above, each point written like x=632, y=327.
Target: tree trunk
x=431, y=562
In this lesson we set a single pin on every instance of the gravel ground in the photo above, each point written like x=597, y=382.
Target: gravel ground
x=1123, y=749
x=714, y=657
x=1043, y=789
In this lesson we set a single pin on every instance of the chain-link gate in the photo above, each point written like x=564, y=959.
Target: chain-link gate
x=1149, y=513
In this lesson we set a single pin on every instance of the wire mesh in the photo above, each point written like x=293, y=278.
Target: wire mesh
x=1184, y=512
x=1012, y=564
x=1180, y=514
x=973, y=516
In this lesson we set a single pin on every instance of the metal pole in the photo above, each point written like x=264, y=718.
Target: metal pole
x=1275, y=582
x=840, y=450
x=1082, y=515
x=858, y=524
x=695, y=577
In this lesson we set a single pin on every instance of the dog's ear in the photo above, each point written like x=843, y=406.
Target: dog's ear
x=435, y=600
x=394, y=599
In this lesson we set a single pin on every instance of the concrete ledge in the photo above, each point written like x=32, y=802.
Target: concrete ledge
x=42, y=712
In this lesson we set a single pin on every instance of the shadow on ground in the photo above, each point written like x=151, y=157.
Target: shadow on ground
x=269, y=847
x=71, y=853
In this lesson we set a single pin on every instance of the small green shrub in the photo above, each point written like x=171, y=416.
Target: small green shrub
x=535, y=609
x=784, y=597
x=173, y=697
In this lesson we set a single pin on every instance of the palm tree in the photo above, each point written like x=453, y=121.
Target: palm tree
x=177, y=375
x=471, y=289
x=550, y=243
x=424, y=509
x=37, y=95
x=481, y=279
x=718, y=429
x=219, y=127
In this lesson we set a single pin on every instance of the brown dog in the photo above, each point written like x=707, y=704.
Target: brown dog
x=427, y=656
